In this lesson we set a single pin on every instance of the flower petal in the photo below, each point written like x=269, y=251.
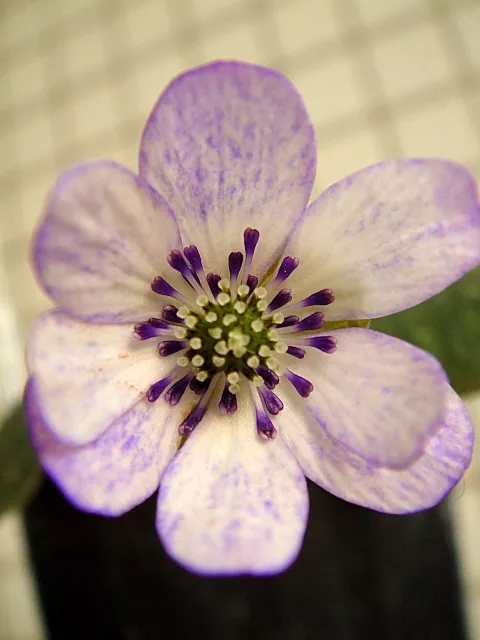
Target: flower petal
x=423, y=484
x=119, y=470
x=88, y=375
x=388, y=237
x=105, y=236
x=230, y=502
x=382, y=398
x=230, y=145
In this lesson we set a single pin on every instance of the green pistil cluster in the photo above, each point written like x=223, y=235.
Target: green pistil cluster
x=231, y=336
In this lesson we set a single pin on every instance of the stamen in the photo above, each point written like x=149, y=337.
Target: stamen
x=223, y=298
x=218, y=361
x=211, y=316
x=229, y=318
x=216, y=333
x=156, y=390
x=253, y=362
x=243, y=290
x=202, y=376
x=183, y=312
x=269, y=377
x=323, y=297
x=191, y=321
x=170, y=314
x=221, y=347
x=240, y=306
x=273, y=404
x=183, y=361
x=196, y=343
x=201, y=300
x=260, y=292
x=278, y=317
x=303, y=386
x=224, y=285
x=256, y=325
x=296, y=352
x=168, y=347
x=264, y=351
x=176, y=391
x=213, y=279
x=280, y=347
x=180, y=333
x=228, y=402
x=197, y=360
x=262, y=305
x=311, y=322
x=287, y=267
x=327, y=344
x=282, y=298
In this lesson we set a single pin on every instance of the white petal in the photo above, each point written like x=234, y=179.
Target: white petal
x=229, y=146
x=117, y=471
x=388, y=237
x=104, y=238
x=338, y=470
x=231, y=503
x=88, y=375
x=382, y=398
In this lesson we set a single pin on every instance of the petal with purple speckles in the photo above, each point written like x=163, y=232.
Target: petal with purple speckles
x=118, y=470
x=382, y=398
x=421, y=485
x=105, y=236
x=230, y=503
x=230, y=145
x=87, y=375
x=388, y=237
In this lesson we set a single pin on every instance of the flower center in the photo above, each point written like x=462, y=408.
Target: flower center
x=232, y=329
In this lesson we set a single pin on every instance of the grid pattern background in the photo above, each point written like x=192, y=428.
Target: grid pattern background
x=381, y=78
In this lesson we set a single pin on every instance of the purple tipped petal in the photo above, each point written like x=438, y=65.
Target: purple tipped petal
x=193, y=256
x=296, y=352
x=228, y=402
x=168, y=347
x=193, y=419
x=235, y=261
x=311, y=322
x=169, y=313
x=389, y=236
x=303, y=386
x=252, y=282
x=273, y=404
x=323, y=297
x=441, y=463
x=265, y=427
x=159, y=387
x=158, y=323
x=176, y=391
x=288, y=322
x=269, y=377
x=160, y=285
x=117, y=471
x=229, y=504
x=104, y=236
x=250, y=240
x=144, y=331
x=199, y=387
x=282, y=298
x=228, y=143
x=287, y=267
x=327, y=344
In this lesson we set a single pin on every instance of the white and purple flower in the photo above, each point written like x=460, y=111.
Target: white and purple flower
x=200, y=342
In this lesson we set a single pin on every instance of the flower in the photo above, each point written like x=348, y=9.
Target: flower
x=200, y=342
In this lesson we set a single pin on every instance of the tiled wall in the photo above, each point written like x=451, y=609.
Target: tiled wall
x=381, y=78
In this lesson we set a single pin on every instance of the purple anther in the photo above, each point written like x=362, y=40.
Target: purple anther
x=296, y=352
x=192, y=254
x=250, y=239
x=167, y=347
x=177, y=261
x=287, y=267
x=158, y=323
x=311, y=322
x=252, y=282
x=327, y=344
x=282, y=298
x=192, y=420
x=288, y=322
x=323, y=297
x=273, y=404
x=169, y=314
x=159, y=387
x=199, y=387
x=176, y=391
x=228, y=402
x=301, y=385
x=265, y=427
x=144, y=331
x=213, y=279
x=161, y=286
x=269, y=377
x=235, y=260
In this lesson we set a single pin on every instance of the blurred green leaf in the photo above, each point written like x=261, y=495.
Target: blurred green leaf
x=20, y=472
x=448, y=326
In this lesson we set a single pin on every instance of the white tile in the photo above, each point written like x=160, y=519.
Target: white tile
x=304, y=24
x=329, y=89
x=235, y=41
x=146, y=21
x=342, y=157
x=442, y=130
x=468, y=22
x=411, y=60
x=373, y=12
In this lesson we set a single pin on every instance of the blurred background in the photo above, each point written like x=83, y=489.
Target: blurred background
x=381, y=79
